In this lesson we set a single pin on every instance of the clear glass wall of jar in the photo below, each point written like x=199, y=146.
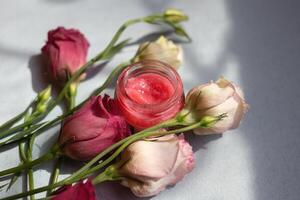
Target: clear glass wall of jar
x=161, y=80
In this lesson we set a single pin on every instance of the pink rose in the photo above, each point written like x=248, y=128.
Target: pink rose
x=149, y=166
x=66, y=51
x=79, y=191
x=94, y=127
x=214, y=99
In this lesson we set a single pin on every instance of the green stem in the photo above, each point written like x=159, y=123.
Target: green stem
x=52, y=104
x=57, y=100
x=70, y=97
x=19, y=127
x=73, y=78
x=31, y=182
x=35, y=191
x=39, y=129
x=50, y=155
x=12, y=121
x=140, y=136
x=165, y=124
x=55, y=174
x=78, y=176
x=25, y=156
x=34, y=129
x=72, y=102
x=104, y=54
x=116, y=71
x=23, y=159
x=101, y=178
x=22, y=153
x=15, y=119
x=30, y=170
x=151, y=19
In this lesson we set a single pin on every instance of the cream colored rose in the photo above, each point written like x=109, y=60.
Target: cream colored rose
x=214, y=99
x=163, y=50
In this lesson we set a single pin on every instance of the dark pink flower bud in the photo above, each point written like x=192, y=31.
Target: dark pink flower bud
x=79, y=191
x=94, y=127
x=66, y=51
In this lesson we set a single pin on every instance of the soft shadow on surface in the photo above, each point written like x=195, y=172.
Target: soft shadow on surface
x=265, y=40
x=4, y=179
x=114, y=190
x=40, y=78
x=61, y=1
x=200, y=141
x=13, y=52
x=157, y=5
x=39, y=75
x=154, y=36
x=69, y=166
x=50, y=138
x=94, y=70
x=8, y=147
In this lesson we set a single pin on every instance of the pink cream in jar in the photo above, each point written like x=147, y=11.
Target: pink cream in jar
x=149, y=92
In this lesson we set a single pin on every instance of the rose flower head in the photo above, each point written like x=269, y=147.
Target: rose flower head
x=94, y=127
x=149, y=166
x=163, y=50
x=65, y=51
x=79, y=191
x=214, y=99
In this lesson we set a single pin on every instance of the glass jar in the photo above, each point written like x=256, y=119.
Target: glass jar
x=149, y=92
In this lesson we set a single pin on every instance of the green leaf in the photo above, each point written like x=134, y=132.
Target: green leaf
x=179, y=30
x=23, y=134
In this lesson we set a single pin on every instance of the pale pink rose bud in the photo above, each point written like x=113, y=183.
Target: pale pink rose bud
x=65, y=51
x=149, y=166
x=175, y=16
x=94, y=127
x=214, y=99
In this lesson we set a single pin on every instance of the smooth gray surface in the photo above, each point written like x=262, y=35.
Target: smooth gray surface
x=254, y=43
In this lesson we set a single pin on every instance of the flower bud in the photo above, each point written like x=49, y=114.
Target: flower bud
x=163, y=50
x=44, y=95
x=149, y=166
x=41, y=108
x=65, y=51
x=94, y=127
x=214, y=99
x=175, y=16
x=72, y=89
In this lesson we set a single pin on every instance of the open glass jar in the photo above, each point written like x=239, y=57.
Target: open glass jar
x=149, y=92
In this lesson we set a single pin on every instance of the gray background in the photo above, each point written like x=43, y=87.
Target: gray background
x=255, y=43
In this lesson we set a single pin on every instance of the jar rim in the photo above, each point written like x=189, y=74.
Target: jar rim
x=159, y=67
